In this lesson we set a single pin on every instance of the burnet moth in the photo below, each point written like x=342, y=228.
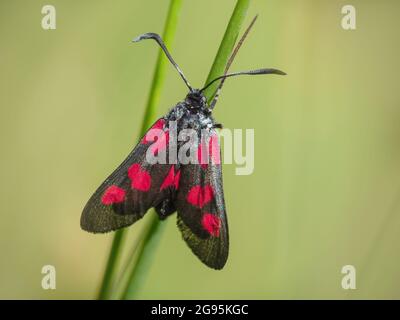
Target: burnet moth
x=192, y=188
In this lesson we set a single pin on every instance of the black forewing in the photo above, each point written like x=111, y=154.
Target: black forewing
x=98, y=217
x=211, y=249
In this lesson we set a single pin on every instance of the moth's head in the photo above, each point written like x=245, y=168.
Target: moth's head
x=196, y=99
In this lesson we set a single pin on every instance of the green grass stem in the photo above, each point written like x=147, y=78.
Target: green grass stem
x=151, y=240
x=148, y=119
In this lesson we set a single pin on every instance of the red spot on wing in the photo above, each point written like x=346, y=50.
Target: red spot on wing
x=113, y=194
x=172, y=179
x=211, y=224
x=133, y=169
x=177, y=179
x=140, y=179
x=199, y=196
x=215, y=149
x=202, y=155
x=158, y=125
x=160, y=144
x=213, y=153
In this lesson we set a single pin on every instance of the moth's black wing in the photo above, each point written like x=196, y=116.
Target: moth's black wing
x=126, y=195
x=202, y=214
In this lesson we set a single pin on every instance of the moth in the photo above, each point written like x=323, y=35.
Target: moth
x=194, y=190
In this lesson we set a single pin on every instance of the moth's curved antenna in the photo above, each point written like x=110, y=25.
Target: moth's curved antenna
x=249, y=72
x=159, y=40
x=231, y=58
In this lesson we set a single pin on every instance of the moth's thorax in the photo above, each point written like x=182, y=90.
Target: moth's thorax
x=192, y=113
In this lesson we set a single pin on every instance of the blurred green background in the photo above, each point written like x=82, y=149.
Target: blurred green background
x=326, y=186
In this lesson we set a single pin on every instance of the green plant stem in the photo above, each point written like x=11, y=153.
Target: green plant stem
x=111, y=263
x=150, y=242
x=124, y=273
x=144, y=257
x=226, y=46
x=148, y=119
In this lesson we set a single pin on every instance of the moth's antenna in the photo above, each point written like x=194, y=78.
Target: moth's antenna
x=239, y=44
x=249, y=72
x=232, y=57
x=159, y=40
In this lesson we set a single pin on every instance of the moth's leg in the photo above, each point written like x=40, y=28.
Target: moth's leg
x=165, y=208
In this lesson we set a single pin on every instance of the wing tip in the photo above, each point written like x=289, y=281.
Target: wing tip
x=217, y=263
